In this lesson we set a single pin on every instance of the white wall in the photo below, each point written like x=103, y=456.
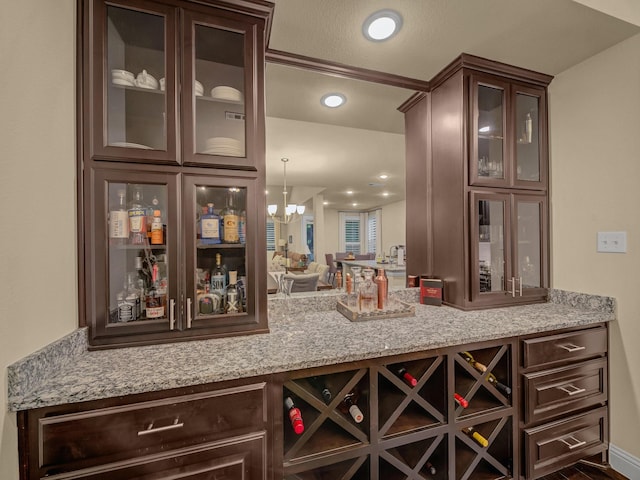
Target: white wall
x=38, y=288
x=595, y=173
x=394, y=231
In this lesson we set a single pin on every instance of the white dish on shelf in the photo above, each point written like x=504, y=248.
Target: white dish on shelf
x=130, y=145
x=223, y=92
x=198, y=88
x=145, y=80
x=122, y=81
x=161, y=82
x=123, y=75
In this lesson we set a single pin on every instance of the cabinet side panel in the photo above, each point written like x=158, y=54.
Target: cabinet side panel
x=418, y=165
x=448, y=152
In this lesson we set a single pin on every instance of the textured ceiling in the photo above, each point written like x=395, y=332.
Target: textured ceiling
x=548, y=36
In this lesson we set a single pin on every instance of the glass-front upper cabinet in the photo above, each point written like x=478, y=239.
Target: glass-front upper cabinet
x=135, y=257
x=221, y=283
x=218, y=101
x=530, y=245
x=508, y=134
x=133, y=84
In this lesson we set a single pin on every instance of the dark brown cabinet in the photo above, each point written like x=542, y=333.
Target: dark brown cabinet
x=564, y=408
x=172, y=96
x=486, y=177
x=217, y=432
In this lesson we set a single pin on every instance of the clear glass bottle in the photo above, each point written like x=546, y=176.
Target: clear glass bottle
x=368, y=293
x=219, y=282
x=231, y=220
x=210, y=226
x=233, y=304
x=208, y=303
x=119, y=221
x=135, y=294
x=137, y=219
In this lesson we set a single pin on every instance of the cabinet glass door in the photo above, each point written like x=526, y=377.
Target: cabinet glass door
x=529, y=137
x=489, y=149
x=134, y=225
x=490, y=213
x=221, y=278
x=217, y=91
x=137, y=74
x=529, y=243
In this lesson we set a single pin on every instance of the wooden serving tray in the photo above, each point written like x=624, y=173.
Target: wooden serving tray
x=401, y=309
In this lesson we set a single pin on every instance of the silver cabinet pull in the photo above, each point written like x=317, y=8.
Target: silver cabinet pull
x=172, y=314
x=574, y=443
x=150, y=428
x=189, y=319
x=520, y=278
x=570, y=347
x=571, y=389
x=513, y=287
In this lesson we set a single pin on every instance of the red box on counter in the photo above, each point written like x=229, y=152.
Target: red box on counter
x=431, y=291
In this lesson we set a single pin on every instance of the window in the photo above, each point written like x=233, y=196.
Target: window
x=271, y=235
x=373, y=231
x=350, y=232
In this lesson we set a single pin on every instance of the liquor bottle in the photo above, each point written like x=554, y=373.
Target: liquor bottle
x=119, y=222
x=242, y=226
x=208, y=303
x=154, y=304
x=137, y=219
x=406, y=376
x=230, y=221
x=219, y=282
x=349, y=404
x=149, y=212
x=295, y=416
x=242, y=292
x=126, y=308
x=460, y=400
x=157, y=235
x=368, y=293
x=134, y=294
x=480, y=440
x=233, y=304
x=500, y=386
x=319, y=385
x=383, y=289
x=210, y=227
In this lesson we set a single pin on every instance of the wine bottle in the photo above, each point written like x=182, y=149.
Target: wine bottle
x=295, y=416
x=480, y=440
x=406, y=376
x=319, y=385
x=500, y=386
x=430, y=468
x=349, y=404
x=477, y=365
x=460, y=400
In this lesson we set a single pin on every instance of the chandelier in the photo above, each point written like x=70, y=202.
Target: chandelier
x=292, y=212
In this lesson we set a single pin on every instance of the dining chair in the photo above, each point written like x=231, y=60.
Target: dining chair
x=303, y=282
x=333, y=269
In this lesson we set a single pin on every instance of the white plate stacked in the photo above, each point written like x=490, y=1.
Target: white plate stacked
x=223, y=92
x=229, y=147
x=129, y=145
x=198, y=88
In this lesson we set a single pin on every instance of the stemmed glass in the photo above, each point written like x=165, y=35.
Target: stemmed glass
x=285, y=286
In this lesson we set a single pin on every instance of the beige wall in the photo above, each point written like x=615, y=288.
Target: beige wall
x=38, y=293
x=595, y=173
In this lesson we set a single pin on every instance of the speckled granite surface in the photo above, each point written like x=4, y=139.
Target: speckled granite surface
x=313, y=334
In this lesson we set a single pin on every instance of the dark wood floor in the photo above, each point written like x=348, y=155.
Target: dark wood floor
x=585, y=472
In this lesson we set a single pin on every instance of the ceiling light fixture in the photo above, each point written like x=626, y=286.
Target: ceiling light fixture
x=382, y=25
x=292, y=212
x=384, y=176
x=333, y=100
x=349, y=192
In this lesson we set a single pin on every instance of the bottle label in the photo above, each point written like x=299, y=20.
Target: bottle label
x=118, y=224
x=126, y=311
x=210, y=228
x=137, y=221
x=155, y=312
x=218, y=282
x=232, y=302
x=231, y=232
x=156, y=234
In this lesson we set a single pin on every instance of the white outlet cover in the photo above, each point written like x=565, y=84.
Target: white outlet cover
x=612, y=242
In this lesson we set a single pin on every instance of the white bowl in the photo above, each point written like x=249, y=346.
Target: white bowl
x=161, y=81
x=123, y=75
x=145, y=80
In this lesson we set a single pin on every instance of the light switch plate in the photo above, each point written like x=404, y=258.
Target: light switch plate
x=612, y=242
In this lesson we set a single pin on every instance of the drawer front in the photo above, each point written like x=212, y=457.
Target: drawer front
x=564, y=347
x=94, y=437
x=559, y=444
x=562, y=390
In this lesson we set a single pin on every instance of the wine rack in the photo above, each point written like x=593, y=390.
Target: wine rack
x=412, y=428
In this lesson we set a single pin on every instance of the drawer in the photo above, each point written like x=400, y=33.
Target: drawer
x=564, y=347
x=559, y=444
x=82, y=439
x=566, y=389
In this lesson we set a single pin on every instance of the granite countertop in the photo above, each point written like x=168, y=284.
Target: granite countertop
x=312, y=334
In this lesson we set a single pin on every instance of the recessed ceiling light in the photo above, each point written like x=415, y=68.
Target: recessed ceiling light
x=384, y=176
x=381, y=25
x=385, y=194
x=354, y=204
x=266, y=192
x=349, y=192
x=325, y=203
x=333, y=100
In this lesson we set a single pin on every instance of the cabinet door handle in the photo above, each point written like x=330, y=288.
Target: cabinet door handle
x=189, y=313
x=172, y=314
x=520, y=278
x=570, y=347
x=513, y=287
x=150, y=428
x=575, y=443
x=571, y=389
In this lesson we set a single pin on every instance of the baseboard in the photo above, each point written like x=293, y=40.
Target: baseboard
x=624, y=462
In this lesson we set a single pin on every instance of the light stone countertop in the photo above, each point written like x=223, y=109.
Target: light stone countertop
x=314, y=334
